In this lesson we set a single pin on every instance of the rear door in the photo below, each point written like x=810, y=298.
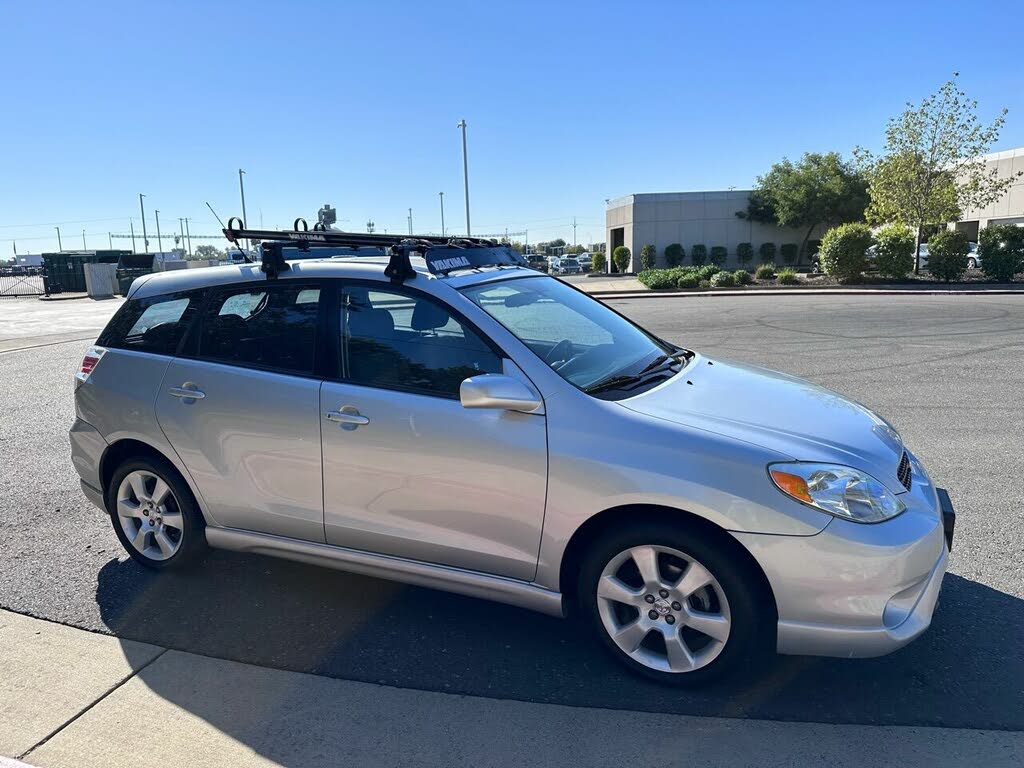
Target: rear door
x=407, y=470
x=241, y=407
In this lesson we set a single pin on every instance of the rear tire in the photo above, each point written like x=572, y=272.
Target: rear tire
x=673, y=604
x=972, y=263
x=154, y=514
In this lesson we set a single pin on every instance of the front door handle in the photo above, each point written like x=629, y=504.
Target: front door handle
x=186, y=392
x=348, y=417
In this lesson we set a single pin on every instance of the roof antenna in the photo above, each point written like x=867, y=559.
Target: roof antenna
x=224, y=229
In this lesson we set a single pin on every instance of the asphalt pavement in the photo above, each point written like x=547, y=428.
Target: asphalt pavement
x=948, y=371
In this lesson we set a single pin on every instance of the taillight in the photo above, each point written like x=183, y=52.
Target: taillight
x=92, y=358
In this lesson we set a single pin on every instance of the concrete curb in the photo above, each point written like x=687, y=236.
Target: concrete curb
x=808, y=292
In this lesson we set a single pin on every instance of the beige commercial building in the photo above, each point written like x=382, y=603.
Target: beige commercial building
x=709, y=218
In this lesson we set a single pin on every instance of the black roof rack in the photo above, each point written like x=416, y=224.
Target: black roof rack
x=442, y=254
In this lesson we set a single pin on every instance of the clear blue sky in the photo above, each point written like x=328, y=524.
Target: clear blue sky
x=357, y=104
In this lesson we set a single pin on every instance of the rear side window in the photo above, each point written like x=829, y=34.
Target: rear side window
x=266, y=326
x=155, y=324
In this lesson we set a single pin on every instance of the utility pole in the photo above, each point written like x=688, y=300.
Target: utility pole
x=410, y=221
x=84, y=248
x=131, y=224
x=441, y=195
x=110, y=241
x=145, y=240
x=159, y=244
x=241, y=189
x=465, y=172
x=188, y=234
x=181, y=226
x=59, y=246
x=573, y=231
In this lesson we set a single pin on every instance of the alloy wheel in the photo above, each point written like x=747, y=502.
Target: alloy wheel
x=663, y=609
x=149, y=515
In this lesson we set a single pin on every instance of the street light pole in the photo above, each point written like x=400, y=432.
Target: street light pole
x=241, y=190
x=441, y=195
x=410, y=221
x=84, y=247
x=159, y=244
x=181, y=226
x=465, y=172
x=145, y=239
x=59, y=246
x=188, y=234
x=131, y=224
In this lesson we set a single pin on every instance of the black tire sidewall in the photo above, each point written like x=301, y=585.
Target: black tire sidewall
x=747, y=640
x=193, y=535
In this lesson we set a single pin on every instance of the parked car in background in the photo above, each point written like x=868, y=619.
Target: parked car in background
x=586, y=261
x=564, y=265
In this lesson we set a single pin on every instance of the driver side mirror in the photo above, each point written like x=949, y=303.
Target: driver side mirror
x=492, y=390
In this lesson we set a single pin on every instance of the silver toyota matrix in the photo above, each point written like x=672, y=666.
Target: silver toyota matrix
x=434, y=412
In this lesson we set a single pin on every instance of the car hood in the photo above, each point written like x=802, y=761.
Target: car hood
x=778, y=412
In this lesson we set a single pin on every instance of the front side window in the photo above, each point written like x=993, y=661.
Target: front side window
x=579, y=337
x=155, y=324
x=405, y=341
x=262, y=326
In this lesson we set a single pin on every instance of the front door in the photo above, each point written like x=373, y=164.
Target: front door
x=408, y=471
x=242, y=409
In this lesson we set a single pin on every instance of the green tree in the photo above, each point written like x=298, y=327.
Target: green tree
x=648, y=255
x=621, y=256
x=767, y=251
x=818, y=190
x=842, y=251
x=699, y=254
x=947, y=254
x=674, y=254
x=209, y=252
x=932, y=167
x=1001, y=248
x=894, y=250
x=744, y=252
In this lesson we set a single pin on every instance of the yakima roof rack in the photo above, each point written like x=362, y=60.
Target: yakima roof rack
x=442, y=254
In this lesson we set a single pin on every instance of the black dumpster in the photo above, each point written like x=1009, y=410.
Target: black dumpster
x=64, y=272
x=130, y=266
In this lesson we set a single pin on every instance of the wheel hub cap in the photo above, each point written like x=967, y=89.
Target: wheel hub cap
x=662, y=607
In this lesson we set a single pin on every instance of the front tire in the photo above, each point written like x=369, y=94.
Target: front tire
x=672, y=604
x=972, y=263
x=154, y=514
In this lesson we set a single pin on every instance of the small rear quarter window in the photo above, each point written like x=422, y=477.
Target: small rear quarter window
x=155, y=324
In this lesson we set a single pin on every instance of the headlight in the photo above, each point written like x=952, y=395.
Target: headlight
x=841, y=491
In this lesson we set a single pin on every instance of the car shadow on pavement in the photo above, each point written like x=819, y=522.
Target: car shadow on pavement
x=966, y=671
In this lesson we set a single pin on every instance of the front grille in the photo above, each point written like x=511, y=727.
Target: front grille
x=903, y=471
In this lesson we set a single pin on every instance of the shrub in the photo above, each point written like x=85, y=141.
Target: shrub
x=688, y=280
x=1001, y=249
x=842, y=251
x=698, y=254
x=718, y=254
x=788, y=252
x=744, y=252
x=663, y=278
x=723, y=280
x=621, y=256
x=947, y=254
x=704, y=285
x=764, y=272
x=894, y=250
x=600, y=263
x=674, y=255
x=788, y=276
x=708, y=271
x=648, y=255
x=767, y=251
x=742, y=277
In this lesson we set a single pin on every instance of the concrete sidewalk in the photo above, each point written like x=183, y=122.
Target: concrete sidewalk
x=78, y=699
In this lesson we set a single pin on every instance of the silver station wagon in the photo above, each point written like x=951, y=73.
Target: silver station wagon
x=446, y=417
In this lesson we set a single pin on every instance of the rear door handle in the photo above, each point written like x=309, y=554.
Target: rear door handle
x=348, y=417
x=186, y=392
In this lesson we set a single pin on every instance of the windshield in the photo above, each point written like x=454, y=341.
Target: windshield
x=579, y=337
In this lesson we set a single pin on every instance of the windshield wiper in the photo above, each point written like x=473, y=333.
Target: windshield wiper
x=624, y=380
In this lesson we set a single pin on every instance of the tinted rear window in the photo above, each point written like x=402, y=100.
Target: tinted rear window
x=155, y=324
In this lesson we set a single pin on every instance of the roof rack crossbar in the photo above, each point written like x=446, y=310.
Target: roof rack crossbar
x=328, y=237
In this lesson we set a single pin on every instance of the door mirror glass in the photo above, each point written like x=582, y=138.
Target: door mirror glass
x=493, y=390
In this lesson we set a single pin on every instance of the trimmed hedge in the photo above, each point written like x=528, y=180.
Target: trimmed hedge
x=648, y=255
x=656, y=279
x=767, y=251
x=688, y=281
x=742, y=277
x=622, y=256
x=947, y=254
x=744, y=252
x=674, y=255
x=894, y=250
x=789, y=252
x=723, y=280
x=600, y=263
x=708, y=271
x=698, y=255
x=842, y=251
x=1001, y=250
x=718, y=254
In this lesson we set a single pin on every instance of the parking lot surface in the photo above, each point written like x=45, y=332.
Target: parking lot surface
x=948, y=371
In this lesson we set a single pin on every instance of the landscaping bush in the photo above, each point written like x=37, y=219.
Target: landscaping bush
x=704, y=285
x=708, y=271
x=842, y=251
x=947, y=254
x=698, y=255
x=688, y=280
x=767, y=251
x=744, y=252
x=723, y=280
x=894, y=250
x=788, y=276
x=718, y=254
x=1001, y=249
x=600, y=263
x=764, y=272
x=742, y=277
x=648, y=255
x=674, y=255
x=621, y=256
x=663, y=278
x=789, y=252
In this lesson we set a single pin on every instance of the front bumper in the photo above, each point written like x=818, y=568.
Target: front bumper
x=856, y=590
